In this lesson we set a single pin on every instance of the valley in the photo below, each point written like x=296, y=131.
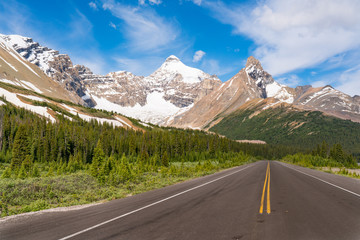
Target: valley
x=141, y=147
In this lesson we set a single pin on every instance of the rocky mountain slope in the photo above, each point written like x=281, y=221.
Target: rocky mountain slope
x=249, y=83
x=281, y=123
x=171, y=89
x=253, y=82
x=52, y=109
x=56, y=66
x=16, y=70
x=174, y=95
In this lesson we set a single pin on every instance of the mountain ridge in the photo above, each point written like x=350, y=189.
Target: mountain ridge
x=178, y=95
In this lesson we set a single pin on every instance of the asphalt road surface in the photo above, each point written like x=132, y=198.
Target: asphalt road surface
x=262, y=200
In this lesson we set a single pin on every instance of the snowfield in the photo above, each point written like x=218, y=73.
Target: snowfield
x=12, y=98
x=154, y=111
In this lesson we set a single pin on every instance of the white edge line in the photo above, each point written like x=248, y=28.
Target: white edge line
x=150, y=205
x=344, y=189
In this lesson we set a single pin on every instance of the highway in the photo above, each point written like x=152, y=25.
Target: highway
x=261, y=200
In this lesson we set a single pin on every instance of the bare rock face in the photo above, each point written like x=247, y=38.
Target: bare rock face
x=57, y=66
x=181, y=84
x=255, y=71
x=249, y=83
x=174, y=94
x=122, y=88
x=331, y=101
x=63, y=71
x=174, y=85
x=357, y=99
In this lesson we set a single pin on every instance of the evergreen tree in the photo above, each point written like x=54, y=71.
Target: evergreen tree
x=97, y=160
x=22, y=173
x=50, y=172
x=36, y=171
x=6, y=173
x=28, y=165
x=165, y=159
x=20, y=148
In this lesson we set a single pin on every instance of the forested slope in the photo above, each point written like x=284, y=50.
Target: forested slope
x=288, y=126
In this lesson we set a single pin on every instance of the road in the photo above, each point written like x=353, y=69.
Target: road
x=296, y=203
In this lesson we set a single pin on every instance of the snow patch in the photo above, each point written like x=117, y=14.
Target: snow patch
x=88, y=118
x=10, y=82
x=17, y=58
x=322, y=93
x=33, y=97
x=12, y=98
x=32, y=86
x=154, y=111
x=279, y=92
x=173, y=67
x=9, y=64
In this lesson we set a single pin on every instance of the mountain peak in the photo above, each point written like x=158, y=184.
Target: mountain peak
x=251, y=61
x=172, y=58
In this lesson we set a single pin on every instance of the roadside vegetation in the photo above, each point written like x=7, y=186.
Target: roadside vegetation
x=45, y=165
x=330, y=159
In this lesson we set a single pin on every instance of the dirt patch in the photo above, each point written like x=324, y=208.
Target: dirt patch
x=251, y=141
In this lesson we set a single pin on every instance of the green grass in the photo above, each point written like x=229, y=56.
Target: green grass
x=319, y=163
x=34, y=194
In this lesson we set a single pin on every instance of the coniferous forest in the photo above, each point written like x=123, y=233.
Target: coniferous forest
x=45, y=164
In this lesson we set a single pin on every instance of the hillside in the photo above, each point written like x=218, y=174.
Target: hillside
x=288, y=125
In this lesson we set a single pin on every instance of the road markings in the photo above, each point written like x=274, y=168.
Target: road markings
x=266, y=182
x=344, y=189
x=150, y=205
x=268, y=210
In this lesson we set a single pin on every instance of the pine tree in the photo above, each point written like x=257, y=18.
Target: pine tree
x=28, y=164
x=35, y=172
x=6, y=173
x=97, y=160
x=165, y=159
x=21, y=148
x=22, y=173
x=50, y=172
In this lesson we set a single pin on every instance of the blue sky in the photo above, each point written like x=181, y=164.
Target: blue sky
x=297, y=41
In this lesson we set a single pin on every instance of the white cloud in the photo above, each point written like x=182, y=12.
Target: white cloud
x=152, y=2
x=16, y=18
x=141, y=67
x=197, y=2
x=198, y=55
x=349, y=81
x=320, y=83
x=111, y=24
x=296, y=34
x=144, y=29
x=80, y=27
x=93, y=5
x=291, y=81
x=212, y=66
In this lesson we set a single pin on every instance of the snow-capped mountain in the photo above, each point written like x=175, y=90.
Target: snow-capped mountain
x=55, y=65
x=253, y=82
x=329, y=100
x=265, y=82
x=175, y=94
x=16, y=70
x=170, y=90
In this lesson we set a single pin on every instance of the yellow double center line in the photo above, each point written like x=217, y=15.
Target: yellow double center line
x=267, y=181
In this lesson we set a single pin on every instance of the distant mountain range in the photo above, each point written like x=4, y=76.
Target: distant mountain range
x=174, y=95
